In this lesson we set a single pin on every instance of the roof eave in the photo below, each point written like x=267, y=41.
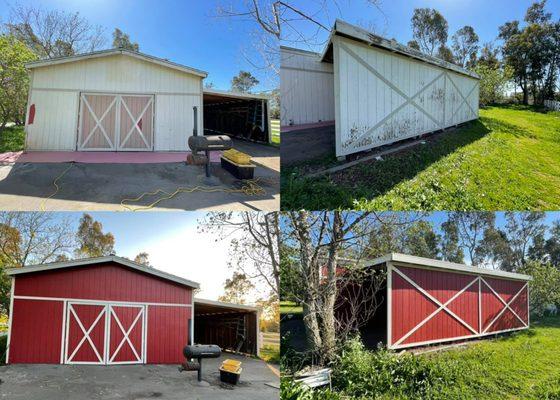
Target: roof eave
x=226, y=305
x=99, y=260
x=446, y=265
x=111, y=52
x=344, y=29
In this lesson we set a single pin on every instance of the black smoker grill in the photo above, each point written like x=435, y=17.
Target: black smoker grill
x=199, y=351
x=207, y=144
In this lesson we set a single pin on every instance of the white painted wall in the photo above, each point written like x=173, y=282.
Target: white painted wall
x=306, y=89
x=371, y=87
x=55, y=92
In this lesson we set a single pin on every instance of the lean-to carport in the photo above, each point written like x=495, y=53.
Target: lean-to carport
x=233, y=327
x=240, y=115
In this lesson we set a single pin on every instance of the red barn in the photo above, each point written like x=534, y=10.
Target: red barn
x=110, y=310
x=432, y=301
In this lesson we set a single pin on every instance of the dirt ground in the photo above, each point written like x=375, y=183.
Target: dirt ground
x=131, y=382
x=307, y=144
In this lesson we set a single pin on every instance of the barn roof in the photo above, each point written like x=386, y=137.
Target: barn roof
x=112, y=52
x=445, y=265
x=84, y=262
x=344, y=29
x=204, y=305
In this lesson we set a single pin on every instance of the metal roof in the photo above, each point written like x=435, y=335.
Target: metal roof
x=98, y=260
x=444, y=265
x=225, y=305
x=237, y=95
x=344, y=29
x=112, y=52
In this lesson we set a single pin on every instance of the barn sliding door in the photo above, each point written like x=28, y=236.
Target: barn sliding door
x=104, y=333
x=115, y=122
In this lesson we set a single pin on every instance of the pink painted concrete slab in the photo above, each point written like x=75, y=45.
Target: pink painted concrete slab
x=99, y=157
x=290, y=128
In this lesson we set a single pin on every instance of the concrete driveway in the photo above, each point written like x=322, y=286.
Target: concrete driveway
x=131, y=382
x=25, y=187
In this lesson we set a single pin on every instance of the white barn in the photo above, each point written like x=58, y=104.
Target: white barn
x=382, y=92
x=120, y=100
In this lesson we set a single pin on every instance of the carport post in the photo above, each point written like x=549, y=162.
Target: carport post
x=11, y=317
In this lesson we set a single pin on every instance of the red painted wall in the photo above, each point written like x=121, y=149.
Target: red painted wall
x=410, y=307
x=36, y=334
x=102, y=282
x=167, y=334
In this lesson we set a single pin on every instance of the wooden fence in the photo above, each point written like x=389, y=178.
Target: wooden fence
x=552, y=105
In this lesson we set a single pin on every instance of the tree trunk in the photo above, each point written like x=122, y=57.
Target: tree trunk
x=328, y=317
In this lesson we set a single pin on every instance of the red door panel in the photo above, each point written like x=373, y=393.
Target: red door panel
x=126, y=334
x=85, y=341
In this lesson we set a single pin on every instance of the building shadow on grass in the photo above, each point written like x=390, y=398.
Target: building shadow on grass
x=372, y=178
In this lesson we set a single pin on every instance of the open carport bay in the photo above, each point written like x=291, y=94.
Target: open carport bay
x=26, y=187
x=77, y=382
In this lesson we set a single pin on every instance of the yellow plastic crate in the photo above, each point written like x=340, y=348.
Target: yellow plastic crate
x=231, y=366
x=237, y=157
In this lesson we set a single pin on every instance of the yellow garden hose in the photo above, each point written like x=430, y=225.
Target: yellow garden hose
x=57, y=188
x=250, y=188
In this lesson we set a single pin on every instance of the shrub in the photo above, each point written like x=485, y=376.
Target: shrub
x=290, y=390
x=3, y=345
x=545, y=286
x=369, y=374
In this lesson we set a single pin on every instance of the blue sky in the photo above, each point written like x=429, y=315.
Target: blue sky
x=392, y=19
x=173, y=243
x=187, y=32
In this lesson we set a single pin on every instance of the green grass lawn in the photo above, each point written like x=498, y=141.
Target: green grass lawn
x=509, y=159
x=523, y=366
x=275, y=130
x=12, y=139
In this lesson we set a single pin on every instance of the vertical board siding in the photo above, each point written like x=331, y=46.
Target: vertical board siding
x=102, y=282
x=410, y=307
x=126, y=316
x=55, y=91
x=167, y=334
x=307, y=89
x=36, y=331
x=87, y=315
x=373, y=87
x=56, y=119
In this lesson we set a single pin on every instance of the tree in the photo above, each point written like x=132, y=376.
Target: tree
x=465, y=46
x=522, y=228
x=142, y=258
x=552, y=245
x=471, y=227
x=121, y=40
x=429, y=29
x=413, y=44
x=255, y=243
x=54, y=33
x=236, y=288
x=493, y=82
x=92, y=242
x=14, y=81
x=243, y=82
x=30, y=238
x=544, y=288
x=489, y=56
x=444, y=53
x=421, y=240
x=450, y=249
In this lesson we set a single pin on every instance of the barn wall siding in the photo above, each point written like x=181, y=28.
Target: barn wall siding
x=36, y=331
x=472, y=306
x=55, y=92
x=102, y=282
x=167, y=334
x=372, y=92
x=307, y=89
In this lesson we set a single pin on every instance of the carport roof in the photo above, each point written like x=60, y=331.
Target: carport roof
x=236, y=95
x=99, y=260
x=112, y=52
x=444, y=265
x=220, y=307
